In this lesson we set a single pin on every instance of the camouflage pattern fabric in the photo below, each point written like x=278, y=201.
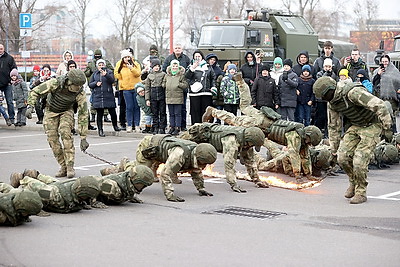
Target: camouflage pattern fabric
x=59, y=125
x=299, y=154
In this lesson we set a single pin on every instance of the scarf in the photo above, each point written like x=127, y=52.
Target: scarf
x=390, y=82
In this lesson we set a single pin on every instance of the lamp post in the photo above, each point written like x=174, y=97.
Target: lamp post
x=171, y=26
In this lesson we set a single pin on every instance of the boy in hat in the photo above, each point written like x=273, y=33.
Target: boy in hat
x=305, y=95
x=140, y=98
x=20, y=92
x=264, y=91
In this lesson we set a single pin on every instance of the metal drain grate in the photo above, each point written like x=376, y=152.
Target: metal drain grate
x=245, y=212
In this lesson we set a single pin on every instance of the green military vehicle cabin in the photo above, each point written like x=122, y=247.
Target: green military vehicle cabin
x=269, y=33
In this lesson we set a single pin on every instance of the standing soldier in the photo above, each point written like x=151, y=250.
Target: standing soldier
x=59, y=196
x=17, y=204
x=62, y=93
x=231, y=141
x=364, y=115
x=179, y=155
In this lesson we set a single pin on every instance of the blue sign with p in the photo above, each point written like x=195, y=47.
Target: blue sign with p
x=25, y=20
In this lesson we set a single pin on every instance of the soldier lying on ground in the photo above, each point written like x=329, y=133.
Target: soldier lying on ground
x=232, y=141
x=59, y=196
x=291, y=134
x=119, y=187
x=281, y=163
x=384, y=154
x=16, y=205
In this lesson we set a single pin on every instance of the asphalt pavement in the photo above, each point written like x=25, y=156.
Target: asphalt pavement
x=263, y=227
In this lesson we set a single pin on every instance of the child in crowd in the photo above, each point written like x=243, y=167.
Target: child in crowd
x=45, y=75
x=344, y=76
x=155, y=97
x=35, y=77
x=20, y=92
x=175, y=83
x=305, y=95
x=288, y=83
x=140, y=98
x=363, y=78
x=3, y=111
x=327, y=70
x=230, y=90
x=264, y=91
x=277, y=69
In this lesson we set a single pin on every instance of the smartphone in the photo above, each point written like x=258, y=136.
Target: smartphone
x=381, y=66
x=130, y=61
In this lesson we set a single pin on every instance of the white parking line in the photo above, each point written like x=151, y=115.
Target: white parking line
x=388, y=196
x=17, y=136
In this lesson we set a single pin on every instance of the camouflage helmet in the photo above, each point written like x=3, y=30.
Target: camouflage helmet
x=205, y=153
x=396, y=139
x=141, y=175
x=320, y=158
x=314, y=133
x=254, y=135
x=76, y=78
x=322, y=85
x=86, y=187
x=27, y=202
x=386, y=153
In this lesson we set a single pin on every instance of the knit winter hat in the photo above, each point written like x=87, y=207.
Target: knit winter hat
x=278, y=60
x=362, y=72
x=14, y=72
x=264, y=67
x=328, y=62
x=232, y=66
x=344, y=72
x=306, y=68
x=155, y=62
x=174, y=61
x=139, y=87
x=125, y=53
x=100, y=61
x=36, y=67
x=288, y=62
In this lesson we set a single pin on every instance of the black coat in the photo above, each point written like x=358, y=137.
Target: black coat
x=7, y=63
x=306, y=91
x=102, y=96
x=287, y=89
x=264, y=92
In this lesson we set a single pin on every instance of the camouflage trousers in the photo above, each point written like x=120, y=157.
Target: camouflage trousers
x=44, y=182
x=230, y=153
x=354, y=154
x=278, y=158
x=299, y=155
x=58, y=126
x=6, y=188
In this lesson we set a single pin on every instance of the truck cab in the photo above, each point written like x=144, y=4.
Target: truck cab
x=268, y=33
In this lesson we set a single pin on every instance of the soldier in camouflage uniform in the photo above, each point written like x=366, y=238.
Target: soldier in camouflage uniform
x=291, y=134
x=179, y=155
x=232, y=141
x=123, y=186
x=281, y=163
x=364, y=116
x=62, y=93
x=17, y=204
x=59, y=196
x=384, y=154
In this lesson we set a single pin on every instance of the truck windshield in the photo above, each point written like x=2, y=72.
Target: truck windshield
x=222, y=36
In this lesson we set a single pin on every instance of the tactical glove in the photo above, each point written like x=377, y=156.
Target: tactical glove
x=84, y=144
x=29, y=111
x=262, y=184
x=98, y=205
x=237, y=189
x=203, y=192
x=285, y=76
x=175, y=198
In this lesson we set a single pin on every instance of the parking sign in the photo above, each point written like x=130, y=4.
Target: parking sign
x=25, y=20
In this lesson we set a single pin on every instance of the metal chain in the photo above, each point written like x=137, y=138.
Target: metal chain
x=96, y=157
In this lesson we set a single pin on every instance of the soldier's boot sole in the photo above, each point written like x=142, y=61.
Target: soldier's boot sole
x=350, y=192
x=31, y=173
x=207, y=116
x=15, y=177
x=358, y=199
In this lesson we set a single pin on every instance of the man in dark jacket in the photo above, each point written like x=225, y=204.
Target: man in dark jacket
x=354, y=63
x=7, y=63
x=264, y=91
x=250, y=70
x=303, y=59
x=327, y=53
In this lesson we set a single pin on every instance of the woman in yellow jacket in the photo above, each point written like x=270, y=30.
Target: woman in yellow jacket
x=128, y=72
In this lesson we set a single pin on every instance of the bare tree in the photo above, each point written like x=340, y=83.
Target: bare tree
x=365, y=11
x=126, y=24
x=81, y=18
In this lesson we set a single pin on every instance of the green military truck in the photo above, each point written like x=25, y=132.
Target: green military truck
x=267, y=32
